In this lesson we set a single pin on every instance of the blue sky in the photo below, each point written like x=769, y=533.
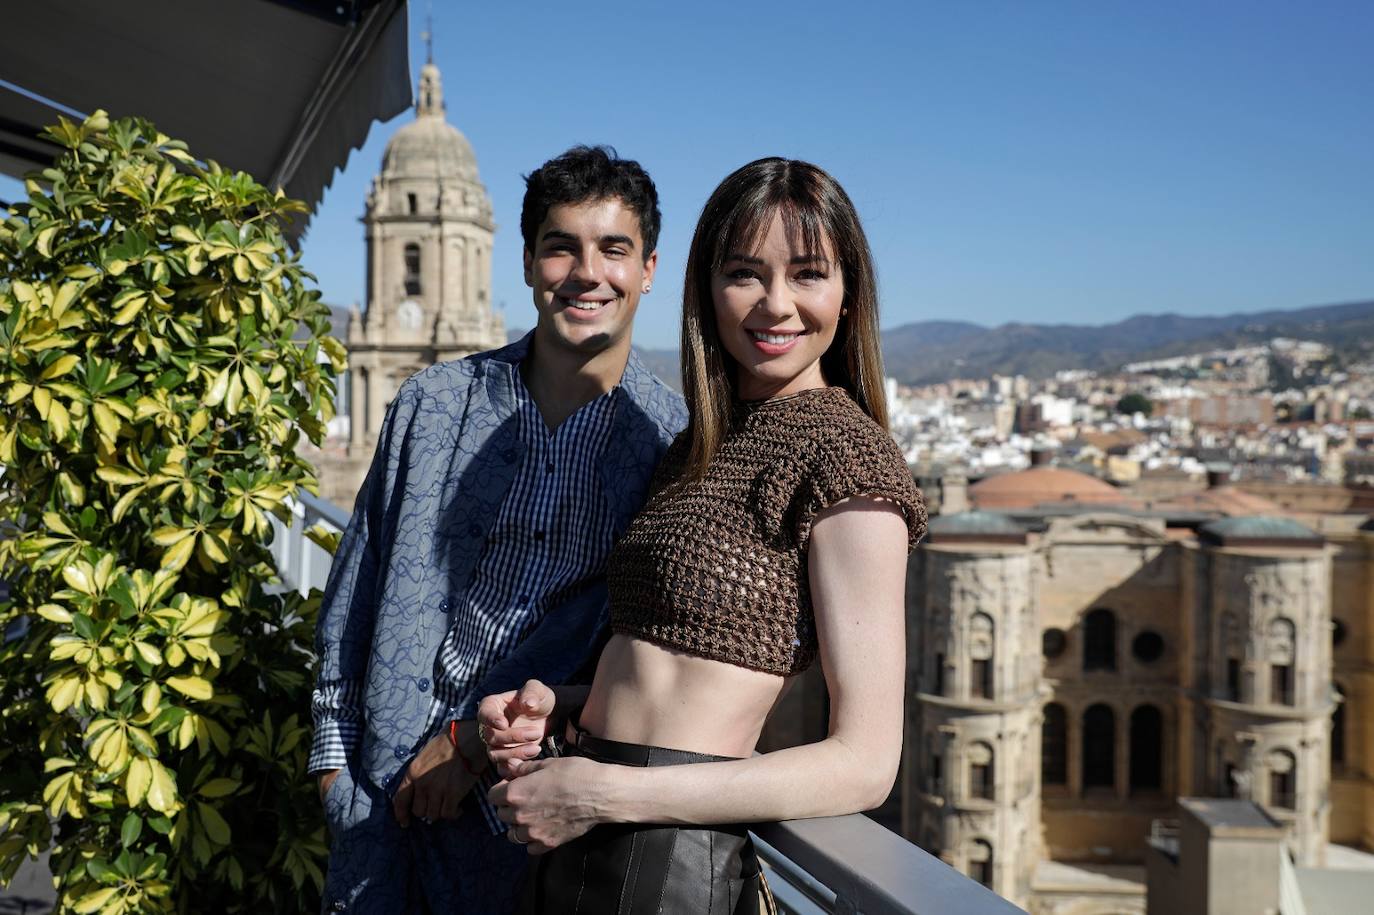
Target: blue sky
x=1076, y=161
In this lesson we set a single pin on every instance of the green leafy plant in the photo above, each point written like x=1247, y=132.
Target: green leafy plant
x=154, y=679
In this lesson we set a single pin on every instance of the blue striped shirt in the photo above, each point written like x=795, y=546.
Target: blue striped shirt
x=551, y=536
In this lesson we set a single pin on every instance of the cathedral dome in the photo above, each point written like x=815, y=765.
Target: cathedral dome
x=429, y=147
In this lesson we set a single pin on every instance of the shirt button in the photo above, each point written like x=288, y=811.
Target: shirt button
x=474, y=530
x=339, y=906
x=538, y=535
x=401, y=752
x=548, y=468
x=423, y=684
x=508, y=455
x=524, y=599
x=443, y=606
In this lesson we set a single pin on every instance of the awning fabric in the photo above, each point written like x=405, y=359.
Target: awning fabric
x=281, y=89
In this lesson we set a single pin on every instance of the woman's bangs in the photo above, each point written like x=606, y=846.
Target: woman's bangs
x=747, y=225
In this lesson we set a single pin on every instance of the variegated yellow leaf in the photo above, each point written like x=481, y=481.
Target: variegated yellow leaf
x=195, y=687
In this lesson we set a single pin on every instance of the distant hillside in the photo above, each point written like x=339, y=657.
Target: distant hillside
x=929, y=351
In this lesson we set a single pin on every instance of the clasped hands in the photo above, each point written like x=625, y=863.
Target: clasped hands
x=546, y=802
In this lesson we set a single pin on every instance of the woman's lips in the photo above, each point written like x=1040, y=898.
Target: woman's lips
x=774, y=343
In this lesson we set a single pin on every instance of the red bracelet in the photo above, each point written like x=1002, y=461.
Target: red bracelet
x=458, y=751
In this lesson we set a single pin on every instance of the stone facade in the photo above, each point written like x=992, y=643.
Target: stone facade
x=1103, y=663
x=429, y=229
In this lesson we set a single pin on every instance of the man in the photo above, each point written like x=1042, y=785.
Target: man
x=475, y=556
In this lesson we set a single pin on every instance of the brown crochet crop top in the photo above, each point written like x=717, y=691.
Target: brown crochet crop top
x=717, y=568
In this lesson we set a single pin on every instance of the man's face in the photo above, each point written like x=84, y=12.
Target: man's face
x=588, y=270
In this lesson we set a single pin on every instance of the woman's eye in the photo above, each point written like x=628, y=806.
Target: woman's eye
x=811, y=275
x=741, y=274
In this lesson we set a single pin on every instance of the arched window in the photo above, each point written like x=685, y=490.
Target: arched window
x=1232, y=649
x=1054, y=746
x=980, y=862
x=982, y=641
x=1283, y=780
x=366, y=406
x=412, y=269
x=1099, y=747
x=1147, y=748
x=1280, y=647
x=980, y=771
x=1099, y=640
x=1338, y=728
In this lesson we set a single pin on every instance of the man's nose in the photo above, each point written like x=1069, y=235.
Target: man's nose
x=590, y=268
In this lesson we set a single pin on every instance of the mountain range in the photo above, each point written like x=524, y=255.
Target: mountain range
x=925, y=352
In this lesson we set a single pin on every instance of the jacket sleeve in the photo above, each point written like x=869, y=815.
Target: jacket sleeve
x=343, y=634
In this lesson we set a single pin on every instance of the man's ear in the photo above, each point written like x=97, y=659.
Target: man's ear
x=650, y=265
x=529, y=268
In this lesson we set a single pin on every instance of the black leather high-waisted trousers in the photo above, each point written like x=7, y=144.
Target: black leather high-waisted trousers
x=646, y=869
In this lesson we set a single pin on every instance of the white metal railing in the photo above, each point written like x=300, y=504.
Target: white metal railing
x=848, y=865
x=303, y=563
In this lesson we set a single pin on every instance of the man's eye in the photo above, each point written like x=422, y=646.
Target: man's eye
x=615, y=252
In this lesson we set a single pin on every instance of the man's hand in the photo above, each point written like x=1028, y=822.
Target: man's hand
x=327, y=780
x=436, y=781
x=553, y=802
x=514, y=723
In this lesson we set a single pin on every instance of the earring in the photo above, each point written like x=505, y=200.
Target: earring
x=843, y=312
x=646, y=289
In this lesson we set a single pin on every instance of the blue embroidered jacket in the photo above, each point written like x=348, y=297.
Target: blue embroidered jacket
x=445, y=458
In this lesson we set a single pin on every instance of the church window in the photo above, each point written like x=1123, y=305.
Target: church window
x=1338, y=633
x=1099, y=747
x=981, y=643
x=1281, y=650
x=935, y=777
x=1147, y=748
x=1338, y=728
x=980, y=771
x=411, y=204
x=1233, y=679
x=980, y=862
x=1281, y=684
x=1282, y=780
x=939, y=674
x=981, y=679
x=1053, y=642
x=1054, y=751
x=1148, y=647
x=1099, y=640
x=412, y=269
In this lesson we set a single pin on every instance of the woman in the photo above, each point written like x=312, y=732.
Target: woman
x=778, y=531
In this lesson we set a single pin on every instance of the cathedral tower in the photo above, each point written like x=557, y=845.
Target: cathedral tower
x=1263, y=586
x=429, y=236
x=972, y=791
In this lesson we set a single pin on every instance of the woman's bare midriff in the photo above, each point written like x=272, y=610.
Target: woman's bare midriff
x=646, y=694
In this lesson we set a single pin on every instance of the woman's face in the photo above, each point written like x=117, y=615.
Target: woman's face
x=776, y=311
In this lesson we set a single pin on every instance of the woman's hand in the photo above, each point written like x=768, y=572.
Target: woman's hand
x=554, y=801
x=513, y=725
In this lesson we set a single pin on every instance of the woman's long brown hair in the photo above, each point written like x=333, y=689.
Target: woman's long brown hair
x=815, y=211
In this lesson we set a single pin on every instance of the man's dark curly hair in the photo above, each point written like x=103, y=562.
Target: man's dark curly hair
x=587, y=173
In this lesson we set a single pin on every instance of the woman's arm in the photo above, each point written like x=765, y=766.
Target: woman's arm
x=858, y=553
